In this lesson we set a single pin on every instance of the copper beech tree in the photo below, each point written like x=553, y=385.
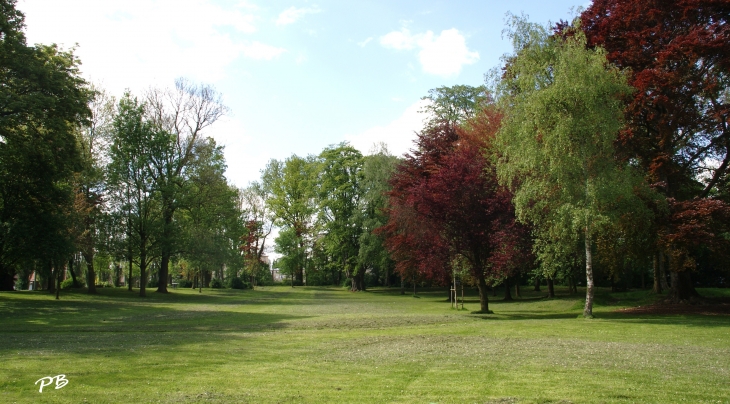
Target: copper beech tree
x=677, y=56
x=446, y=205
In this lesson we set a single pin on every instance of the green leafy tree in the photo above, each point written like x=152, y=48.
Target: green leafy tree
x=377, y=171
x=456, y=104
x=210, y=219
x=135, y=192
x=258, y=222
x=43, y=99
x=340, y=179
x=291, y=185
x=185, y=113
x=89, y=182
x=563, y=111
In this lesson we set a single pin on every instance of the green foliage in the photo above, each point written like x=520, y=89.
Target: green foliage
x=377, y=170
x=184, y=283
x=340, y=191
x=264, y=276
x=563, y=111
x=43, y=102
x=67, y=284
x=456, y=104
x=291, y=186
x=293, y=256
x=208, y=219
x=236, y=283
x=134, y=143
x=216, y=283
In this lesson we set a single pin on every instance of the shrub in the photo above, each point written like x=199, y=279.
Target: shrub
x=216, y=283
x=184, y=283
x=106, y=285
x=236, y=283
x=69, y=283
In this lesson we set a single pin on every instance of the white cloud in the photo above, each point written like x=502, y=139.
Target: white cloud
x=399, y=39
x=260, y=51
x=292, y=14
x=442, y=55
x=136, y=43
x=398, y=134
x=365, y=42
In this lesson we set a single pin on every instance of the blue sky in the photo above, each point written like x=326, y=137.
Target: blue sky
x=296, y=75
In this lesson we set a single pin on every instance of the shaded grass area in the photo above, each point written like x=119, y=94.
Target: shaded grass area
x=316, y=345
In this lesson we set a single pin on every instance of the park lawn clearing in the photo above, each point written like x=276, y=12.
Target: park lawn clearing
x=314, y=345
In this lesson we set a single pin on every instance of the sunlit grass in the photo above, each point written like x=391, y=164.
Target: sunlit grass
x=279, y=344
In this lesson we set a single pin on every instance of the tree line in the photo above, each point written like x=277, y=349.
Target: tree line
x=600, y=143
x=130, y=188
x=597, y=153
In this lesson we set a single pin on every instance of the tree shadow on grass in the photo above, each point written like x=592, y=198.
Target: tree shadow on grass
x=120, y=316
x=689, y=320
x=227, y=297
x=683, y=320
x=499, y=315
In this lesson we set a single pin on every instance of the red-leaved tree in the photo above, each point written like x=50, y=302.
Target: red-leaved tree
x=446, y=203
x=678, y=56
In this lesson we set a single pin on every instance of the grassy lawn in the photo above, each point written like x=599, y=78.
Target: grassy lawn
x=315, y=345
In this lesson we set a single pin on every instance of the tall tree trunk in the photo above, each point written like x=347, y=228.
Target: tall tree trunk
x=402, y=286
x=551, y=287
x=483, y=298
x=571, y=284
x=682, y=288
x=90, y=274
x=143, y=274
x=208, y=275
x=117, y=273
x=358, y=279
x=537, y=284
x=7, y=276
x=517, y=289
x=507, y=294
x=662, y=271
x=58, y=282
x=588, y=310
x=50, y=279
x=166, y=245
x=71, y=271
x=414, y=284
x=142, y=280
x=129, y=278
x=657, y=288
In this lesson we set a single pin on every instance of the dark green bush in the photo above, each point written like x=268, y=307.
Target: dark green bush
x=236, y=283
x=69, y=283
x=216, y=283
x=184, y=283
